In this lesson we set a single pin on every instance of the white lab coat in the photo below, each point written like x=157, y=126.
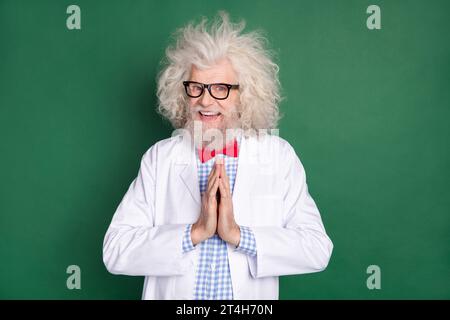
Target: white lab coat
x=270, y=196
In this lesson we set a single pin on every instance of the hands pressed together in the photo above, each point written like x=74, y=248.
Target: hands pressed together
x=216, y=216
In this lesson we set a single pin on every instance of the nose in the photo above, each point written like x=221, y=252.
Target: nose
x=205, y=99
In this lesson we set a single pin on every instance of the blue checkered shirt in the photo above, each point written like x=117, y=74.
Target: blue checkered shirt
x=213, y=278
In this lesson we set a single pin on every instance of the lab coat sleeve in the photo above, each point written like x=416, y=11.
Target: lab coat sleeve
x=133, y=245
x=301, y=244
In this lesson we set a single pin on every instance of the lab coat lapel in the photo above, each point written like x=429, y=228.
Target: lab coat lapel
x=188, y=169
x=242, y=184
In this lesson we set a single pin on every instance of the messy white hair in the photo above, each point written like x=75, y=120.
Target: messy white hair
x=202, y=45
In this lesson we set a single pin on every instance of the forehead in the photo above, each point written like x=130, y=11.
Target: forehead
x=222, y=71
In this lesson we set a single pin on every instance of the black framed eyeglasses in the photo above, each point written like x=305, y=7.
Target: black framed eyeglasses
x=219, y=91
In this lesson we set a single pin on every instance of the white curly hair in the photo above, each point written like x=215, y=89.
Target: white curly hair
x=203, y=45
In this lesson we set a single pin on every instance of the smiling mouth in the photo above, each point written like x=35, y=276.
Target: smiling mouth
x=208, y=115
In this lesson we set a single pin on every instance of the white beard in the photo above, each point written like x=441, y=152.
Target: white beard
x=212, y=137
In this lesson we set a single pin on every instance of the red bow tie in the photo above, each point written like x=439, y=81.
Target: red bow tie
x=230, y=150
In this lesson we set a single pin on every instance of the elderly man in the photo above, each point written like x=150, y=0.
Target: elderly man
x=221, y=209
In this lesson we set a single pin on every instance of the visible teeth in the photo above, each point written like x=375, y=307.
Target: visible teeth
x=209, y=113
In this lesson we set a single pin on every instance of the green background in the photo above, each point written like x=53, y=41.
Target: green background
x=366, y=110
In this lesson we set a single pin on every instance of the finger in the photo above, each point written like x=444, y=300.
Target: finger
x=223, y=189
x=213, y=189
x=219, y=165
x=218, y=170
x=211, y=185
x=226, y=187
x=212, y=174
x=224, y=172
x=219, y=160
x=213, y=170
x=226, y=179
